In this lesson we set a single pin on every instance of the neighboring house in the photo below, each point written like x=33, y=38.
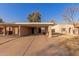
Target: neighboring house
x=27, y=28
x=65, y=29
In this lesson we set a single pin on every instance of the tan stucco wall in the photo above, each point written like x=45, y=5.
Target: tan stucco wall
x=50, y=31
x=16, y=30
x=59, y=27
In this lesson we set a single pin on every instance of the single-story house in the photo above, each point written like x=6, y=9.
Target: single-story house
x=65, y=29
x=27, y=28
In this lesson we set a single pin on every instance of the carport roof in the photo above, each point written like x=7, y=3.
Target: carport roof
x=29, y=23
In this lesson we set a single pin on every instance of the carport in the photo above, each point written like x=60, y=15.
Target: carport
x=28, y=28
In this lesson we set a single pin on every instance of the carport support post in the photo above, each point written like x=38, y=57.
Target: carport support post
x=46, y=30
x=4, y=31
x=49, y=31
x=19, y=29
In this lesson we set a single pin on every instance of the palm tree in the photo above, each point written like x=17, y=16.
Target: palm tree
x=34, y=17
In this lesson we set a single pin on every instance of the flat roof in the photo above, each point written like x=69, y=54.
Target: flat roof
x=28, y=24
x=34, y=23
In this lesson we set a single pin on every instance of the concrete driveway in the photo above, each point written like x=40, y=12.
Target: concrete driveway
x=35, y=45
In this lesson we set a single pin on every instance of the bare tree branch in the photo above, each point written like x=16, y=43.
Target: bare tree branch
x=70, y=14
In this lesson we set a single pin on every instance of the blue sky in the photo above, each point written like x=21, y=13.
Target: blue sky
x=18, y=12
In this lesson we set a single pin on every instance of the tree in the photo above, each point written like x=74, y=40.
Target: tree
x=53, y=21
x=71, y=15
x=34, y=17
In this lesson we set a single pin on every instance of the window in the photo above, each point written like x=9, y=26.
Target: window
x=1, y=30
